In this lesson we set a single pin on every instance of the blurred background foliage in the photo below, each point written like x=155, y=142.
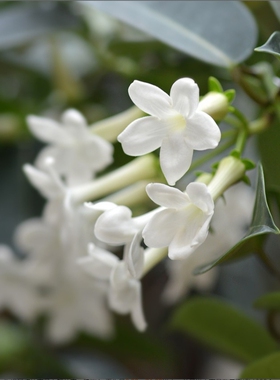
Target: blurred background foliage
x=56, y=55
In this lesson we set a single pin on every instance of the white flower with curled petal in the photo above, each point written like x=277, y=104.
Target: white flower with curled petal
x=183, y=224
x=176, y=125
x=232, y=214
x=116, y=226
x=78, y=153
x=124, y=293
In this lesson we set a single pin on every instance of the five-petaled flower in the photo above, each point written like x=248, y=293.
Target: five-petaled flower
x=183, y=224
x=78, y=154
x=176, y=125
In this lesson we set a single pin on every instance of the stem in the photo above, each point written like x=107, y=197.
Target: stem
x=152, y=257
x=110, y=128
x=241, y=141
x=260, y=125
x=141, y=168
x=239, y=115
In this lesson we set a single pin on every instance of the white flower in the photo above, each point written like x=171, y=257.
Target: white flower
x=176, y=125
x=117, y=227
x=17, y=291
x=233, y=215
x=77, y=303
x=124, y=293
x=183, y=224
x=78, y=154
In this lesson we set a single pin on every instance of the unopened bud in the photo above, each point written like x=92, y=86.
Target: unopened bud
x=214, y=104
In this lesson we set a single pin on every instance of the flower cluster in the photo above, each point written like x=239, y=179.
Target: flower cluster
x=87, y=253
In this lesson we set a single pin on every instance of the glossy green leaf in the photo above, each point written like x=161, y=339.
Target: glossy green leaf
x=270, y=301
x=23, y=22
x=272, y=45
x=223, y=328
x=205, y=30
x=268, y=144
x=261, y=225
x=265, y=368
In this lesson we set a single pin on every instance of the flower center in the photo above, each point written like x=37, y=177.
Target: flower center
x=176, y=123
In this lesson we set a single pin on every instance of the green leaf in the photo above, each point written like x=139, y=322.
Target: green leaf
x=270, y=301
x=21, y=23
x=205, y=30
x=268, y=144
x=214, y=85
x=272, y=45
x=261, y=225
x=223, y=328
x=230, y=94
x=265, y=368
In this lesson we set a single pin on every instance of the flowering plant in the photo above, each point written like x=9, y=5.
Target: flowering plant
x=126, y=225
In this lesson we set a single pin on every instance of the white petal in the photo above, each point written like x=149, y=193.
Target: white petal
x=100, y=206
x=42, y=159
x=97, y=152
x=99, y=263
x=150, y=99
x=167, y=196
x=185, y=96
x=135, y=256
x=119, y=278
x=137, y=314
x=73, y=117
x=175, y=157
x=202, y=132
x=191, y=236
x=115, y=226
x=60, y=329
x=43, y=182
x=142, y=136
x=47, y=130
x=30, y=234
x=161, y=229
x=200, y=196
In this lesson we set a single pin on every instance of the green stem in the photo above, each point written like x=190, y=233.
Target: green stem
x=239, y=115
x=241, y=140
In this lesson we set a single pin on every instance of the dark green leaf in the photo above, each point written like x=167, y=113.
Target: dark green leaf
x=223, y=328
x=262, y=224
x=206, y=30
x=270, y=301
x=268, y=143
x=265, y=368
x=272, y=45
x=19, y=24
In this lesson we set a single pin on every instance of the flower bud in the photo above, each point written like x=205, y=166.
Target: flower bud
x=230, y=170
x=214, y=104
